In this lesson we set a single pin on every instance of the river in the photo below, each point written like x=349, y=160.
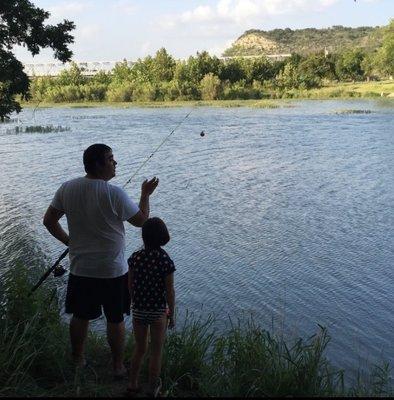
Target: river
x=282, y=214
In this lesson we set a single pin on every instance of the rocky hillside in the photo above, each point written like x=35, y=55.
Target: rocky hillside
x=304, y=41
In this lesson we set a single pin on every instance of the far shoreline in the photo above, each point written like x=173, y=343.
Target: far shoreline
x=340, y=91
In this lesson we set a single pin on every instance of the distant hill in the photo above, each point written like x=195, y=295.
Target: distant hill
x=305, y=41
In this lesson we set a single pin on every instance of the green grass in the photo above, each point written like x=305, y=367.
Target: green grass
x=9, y=121
x=244, y=361
x=166, y=104
x=372, y=89
x=37, y=129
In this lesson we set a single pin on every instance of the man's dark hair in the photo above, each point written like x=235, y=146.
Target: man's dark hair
x=93, y=155
x=155, y=233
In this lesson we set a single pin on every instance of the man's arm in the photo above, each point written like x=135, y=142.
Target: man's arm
x=147, y=188
x=143, y=214
x=51, y=222
x=170, y=297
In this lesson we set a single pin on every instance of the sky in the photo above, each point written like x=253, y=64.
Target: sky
x=113, y=30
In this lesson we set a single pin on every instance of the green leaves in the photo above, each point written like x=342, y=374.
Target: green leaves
x=23, y=24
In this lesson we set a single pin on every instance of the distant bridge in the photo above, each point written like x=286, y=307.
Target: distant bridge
x=90, y=68
x=274, y=57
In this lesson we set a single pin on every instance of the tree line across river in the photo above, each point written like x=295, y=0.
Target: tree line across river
x=206, y=77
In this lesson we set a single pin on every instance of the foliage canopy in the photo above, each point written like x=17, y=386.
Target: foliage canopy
x=21, y=23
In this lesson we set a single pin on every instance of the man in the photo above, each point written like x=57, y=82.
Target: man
x=95, y=211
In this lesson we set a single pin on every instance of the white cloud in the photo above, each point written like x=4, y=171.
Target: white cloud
x=218, y=50
x=242, y=12
x=68, y=10
x=146, y=47
x=328, y=3
x=89, y=31
x=199, y=14
x=165, y=22
x=125, y=7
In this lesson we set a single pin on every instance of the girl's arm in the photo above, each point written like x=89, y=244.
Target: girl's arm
x=170, y=297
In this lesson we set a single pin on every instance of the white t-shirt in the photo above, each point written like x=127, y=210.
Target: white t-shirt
x=95, y=212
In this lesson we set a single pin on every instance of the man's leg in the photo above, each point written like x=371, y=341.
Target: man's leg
x=116, y=341
x=116, y=302
x=78, y=334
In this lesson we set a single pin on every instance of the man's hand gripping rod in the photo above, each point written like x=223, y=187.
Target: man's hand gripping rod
x=47, y=273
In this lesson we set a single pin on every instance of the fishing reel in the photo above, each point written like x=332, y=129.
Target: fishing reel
x=59, y=271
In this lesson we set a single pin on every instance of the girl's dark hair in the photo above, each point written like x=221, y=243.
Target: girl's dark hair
x=155, y=233
x=93, y=155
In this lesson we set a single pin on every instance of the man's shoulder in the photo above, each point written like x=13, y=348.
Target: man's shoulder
x=118, y=193
x=75, y=181
x=71, y=183
x=115, y=189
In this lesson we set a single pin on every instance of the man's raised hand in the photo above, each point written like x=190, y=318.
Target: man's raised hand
x=148, y=187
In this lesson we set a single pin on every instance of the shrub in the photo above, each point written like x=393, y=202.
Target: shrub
x=39, y=87
x=145, y=92
x=119, y=93
x=240, y=91
x=210, y=87
x=94, y=91
x=183, y=90
x=170, y=91
x=70, y=93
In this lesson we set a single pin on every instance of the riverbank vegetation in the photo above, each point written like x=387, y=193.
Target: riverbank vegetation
x=37, y=129
x=352, y=73
x=380, y=90
x=198, y=361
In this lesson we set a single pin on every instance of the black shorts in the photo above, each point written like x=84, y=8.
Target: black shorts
x=86, y=296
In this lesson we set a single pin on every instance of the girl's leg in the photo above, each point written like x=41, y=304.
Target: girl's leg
x=141, y=344
x=158, y=335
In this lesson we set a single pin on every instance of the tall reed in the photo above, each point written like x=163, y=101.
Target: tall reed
x=245, y=361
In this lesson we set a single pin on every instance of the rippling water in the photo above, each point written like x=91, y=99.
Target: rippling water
x=284, y=214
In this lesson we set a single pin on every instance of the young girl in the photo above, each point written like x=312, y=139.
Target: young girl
x=151, y=284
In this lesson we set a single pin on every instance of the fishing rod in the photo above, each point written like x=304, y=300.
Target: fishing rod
x=57, y=269
x=48, y=272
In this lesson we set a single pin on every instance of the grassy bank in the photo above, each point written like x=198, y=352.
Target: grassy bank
x=245, y=361
x=366, y=90
x=274, y=98
x=165, y=104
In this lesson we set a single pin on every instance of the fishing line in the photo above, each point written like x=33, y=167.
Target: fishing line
x=58, y=269
x=157, y=148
